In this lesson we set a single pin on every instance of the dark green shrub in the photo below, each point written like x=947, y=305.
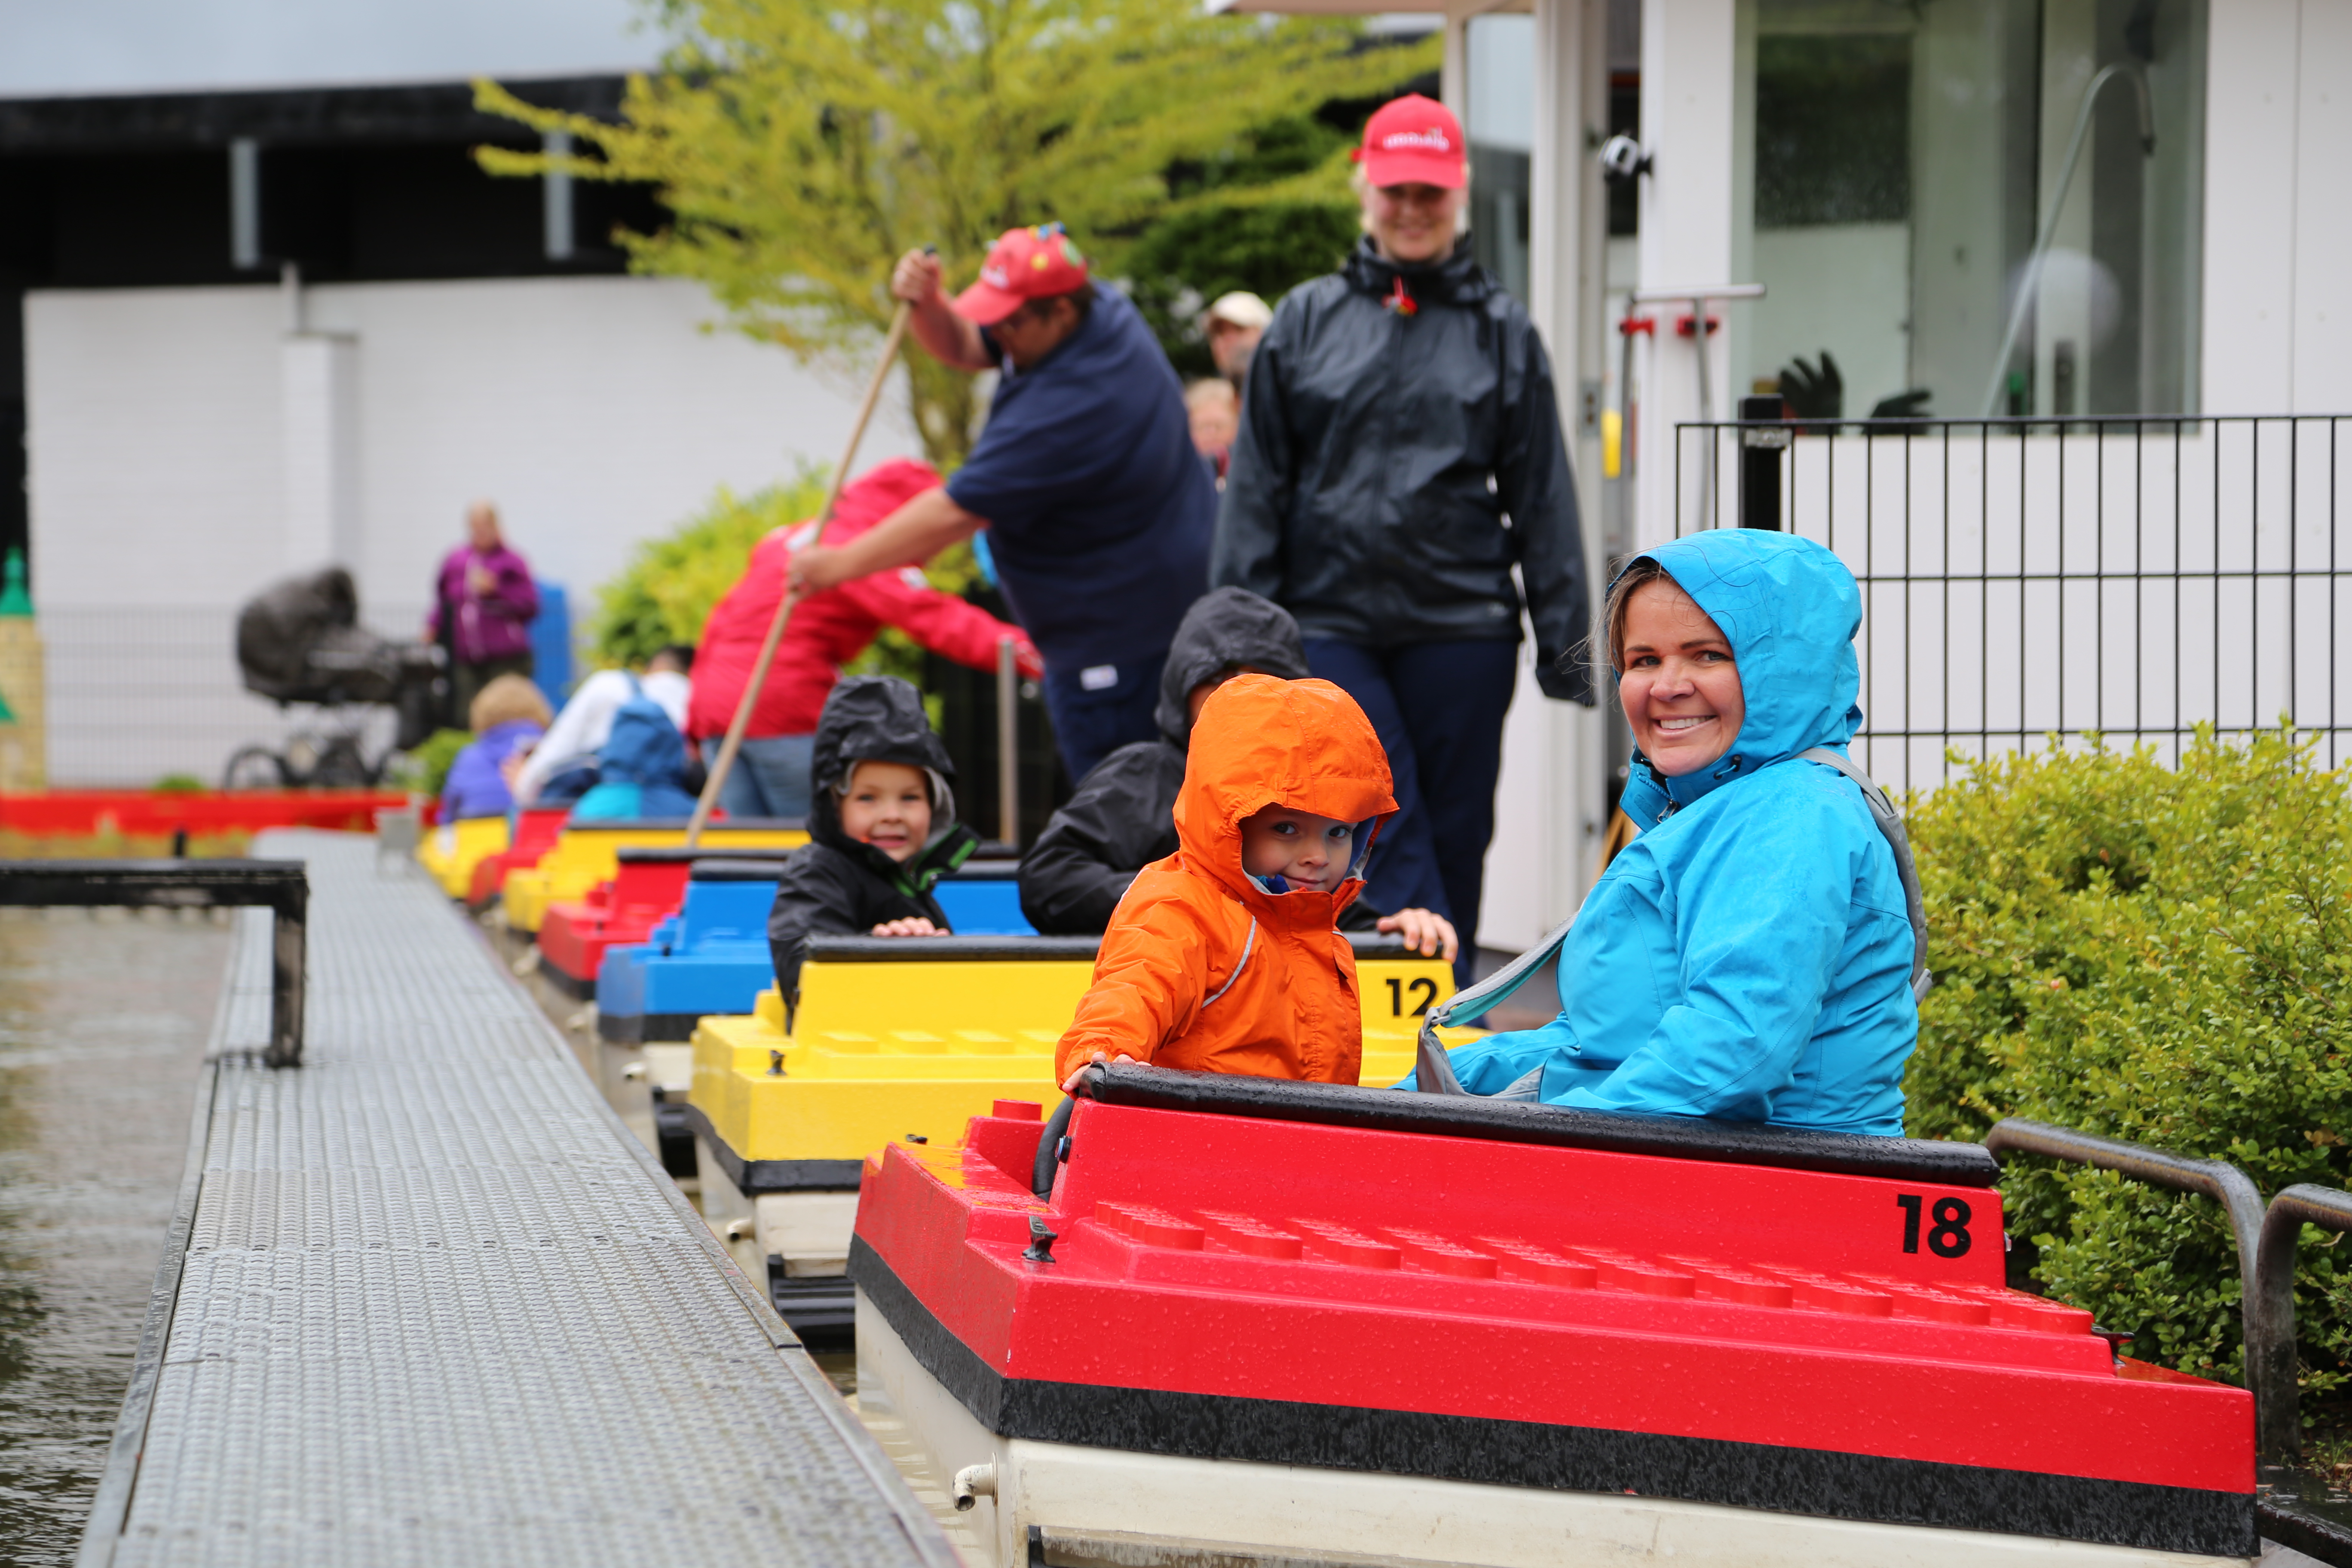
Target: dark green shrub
x=2157, y=954
x=666, y=591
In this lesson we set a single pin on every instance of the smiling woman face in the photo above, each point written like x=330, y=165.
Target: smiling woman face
x=1677, y=680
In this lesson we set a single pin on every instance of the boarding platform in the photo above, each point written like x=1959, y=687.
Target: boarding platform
x=424, y=1299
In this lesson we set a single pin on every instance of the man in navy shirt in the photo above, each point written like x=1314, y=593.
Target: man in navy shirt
x=1098, y=511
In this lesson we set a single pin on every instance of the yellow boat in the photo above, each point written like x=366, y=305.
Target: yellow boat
x=451, y=851
x=589, y=853
x=911, y=1039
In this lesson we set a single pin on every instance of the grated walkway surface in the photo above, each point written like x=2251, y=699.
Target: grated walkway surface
x=436, y=1306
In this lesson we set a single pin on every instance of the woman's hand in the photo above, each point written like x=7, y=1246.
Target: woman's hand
x=1425, y=930
x=913, y=925
x=1070, y=1084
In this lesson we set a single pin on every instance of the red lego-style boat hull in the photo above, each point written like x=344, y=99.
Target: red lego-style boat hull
x=1522, y=1297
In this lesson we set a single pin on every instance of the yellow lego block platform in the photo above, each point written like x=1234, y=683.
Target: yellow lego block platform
x=451, y=851
x=913, y=1037
x=588, y=854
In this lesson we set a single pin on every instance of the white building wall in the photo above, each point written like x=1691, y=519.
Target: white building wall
x=185, y=449
x=1548, y=801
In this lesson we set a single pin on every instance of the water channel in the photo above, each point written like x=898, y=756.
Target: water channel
x=103, y=1018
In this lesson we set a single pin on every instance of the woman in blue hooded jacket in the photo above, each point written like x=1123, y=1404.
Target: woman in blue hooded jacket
x=1749, y=956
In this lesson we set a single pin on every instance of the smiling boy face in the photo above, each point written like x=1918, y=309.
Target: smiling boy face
x=1305, y=851
x=889, y=806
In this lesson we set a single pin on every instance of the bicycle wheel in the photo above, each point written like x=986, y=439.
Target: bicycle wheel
x=254, y=767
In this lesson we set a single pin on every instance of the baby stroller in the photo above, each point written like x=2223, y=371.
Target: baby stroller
x=300, y=641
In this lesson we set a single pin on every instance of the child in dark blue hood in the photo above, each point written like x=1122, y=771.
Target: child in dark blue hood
x=882, y=828
x=1749, y=956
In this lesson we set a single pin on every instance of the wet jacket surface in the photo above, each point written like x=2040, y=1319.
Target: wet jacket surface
x=1748, y=956
x=1204, y=967
x=836, y=885
x=1359, y=497
x=829, y=629
x=475, y=786
x=1123, y=816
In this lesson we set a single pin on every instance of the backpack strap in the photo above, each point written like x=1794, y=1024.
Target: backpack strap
x=1890, y=826
x=1433, y=1073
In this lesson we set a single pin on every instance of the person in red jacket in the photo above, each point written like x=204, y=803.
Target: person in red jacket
x=827, y=629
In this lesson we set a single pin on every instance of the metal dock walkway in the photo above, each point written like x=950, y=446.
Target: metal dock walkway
x=425, y=1300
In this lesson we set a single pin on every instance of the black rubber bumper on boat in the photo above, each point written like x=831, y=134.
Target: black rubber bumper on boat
x=1560, y=1126
x=1559, y=1459
x=753, y=1177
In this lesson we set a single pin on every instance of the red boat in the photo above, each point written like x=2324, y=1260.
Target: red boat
x=1347, y=1325
x=574, y=935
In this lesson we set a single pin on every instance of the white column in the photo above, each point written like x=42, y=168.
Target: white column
x=2251, y=182
x=318, y=437
x=1548, y=805
x=2322, y=232
x=1688, y=84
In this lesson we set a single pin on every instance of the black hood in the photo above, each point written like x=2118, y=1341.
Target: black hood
x=880, y=718
x=1225, y=626
x=1458, y=278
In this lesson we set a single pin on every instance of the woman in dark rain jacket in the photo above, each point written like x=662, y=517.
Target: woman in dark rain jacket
x=1400, y=453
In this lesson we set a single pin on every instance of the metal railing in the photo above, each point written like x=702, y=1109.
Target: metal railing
x=134, y=694
x=283, y=887
x=2266, y=1241
x=2133, y=577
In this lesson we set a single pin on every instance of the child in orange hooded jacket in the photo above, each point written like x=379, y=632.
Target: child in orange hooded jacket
x=1226, y=956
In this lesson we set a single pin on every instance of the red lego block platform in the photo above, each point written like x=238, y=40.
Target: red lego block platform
x=1527, y=1295
x=650, y=886
x=535, y=833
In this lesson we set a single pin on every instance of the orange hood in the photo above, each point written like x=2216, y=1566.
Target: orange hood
x=1265, y=741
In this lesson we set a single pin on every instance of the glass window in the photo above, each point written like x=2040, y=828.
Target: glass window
x=1502, y=88
x=1972, y=207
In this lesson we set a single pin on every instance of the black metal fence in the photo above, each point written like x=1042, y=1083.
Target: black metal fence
x=137, y=693
x=2027, y=577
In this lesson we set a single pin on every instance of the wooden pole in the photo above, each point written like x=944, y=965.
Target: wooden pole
x=733, y=744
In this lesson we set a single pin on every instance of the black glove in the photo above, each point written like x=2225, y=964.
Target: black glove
x=1812, y=391
x=1911, y=405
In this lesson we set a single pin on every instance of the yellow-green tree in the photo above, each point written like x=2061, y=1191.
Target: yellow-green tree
x=800, y=146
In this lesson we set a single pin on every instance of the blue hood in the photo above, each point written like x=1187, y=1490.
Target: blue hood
x=1789, y=609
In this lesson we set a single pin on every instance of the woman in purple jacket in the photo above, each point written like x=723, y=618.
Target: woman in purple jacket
x=483, y=604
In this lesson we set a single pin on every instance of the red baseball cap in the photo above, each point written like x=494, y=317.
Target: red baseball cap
x=1414, y=140
x=1024, y=264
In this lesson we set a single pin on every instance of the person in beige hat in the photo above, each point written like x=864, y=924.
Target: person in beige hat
x=1232, y=326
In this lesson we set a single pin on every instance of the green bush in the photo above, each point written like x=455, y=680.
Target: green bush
x=2157, y=955
x=667, y=591
x=426, y=769
x=181, y=784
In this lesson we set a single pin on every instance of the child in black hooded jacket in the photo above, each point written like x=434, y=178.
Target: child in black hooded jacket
x=882, y=828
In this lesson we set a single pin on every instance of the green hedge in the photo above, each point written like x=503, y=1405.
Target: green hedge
x=666, y=591
x=2157, y=955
